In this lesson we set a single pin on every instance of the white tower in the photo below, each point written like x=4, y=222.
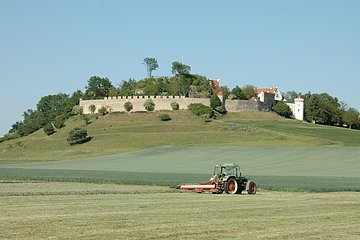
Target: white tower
x=299, y=108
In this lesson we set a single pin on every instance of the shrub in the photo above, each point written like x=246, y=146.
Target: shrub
x=102, y=111
x=215, y=101
x=149, y=105
x=165, y=117
x=92, y=108
x=175, y=106
x=9, y=136
x=220, y=109
x=49, y=129
x=200, y=109
x=77, y=110
x=78, y=136
x=128, y=106
x=282, y=109
x=60, y=121
x=87, y=119
x=231, y=96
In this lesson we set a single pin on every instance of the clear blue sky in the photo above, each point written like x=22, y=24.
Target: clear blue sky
x=47, y=47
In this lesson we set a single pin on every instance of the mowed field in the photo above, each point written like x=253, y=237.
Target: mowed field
x=120, y=184
x=50, y=210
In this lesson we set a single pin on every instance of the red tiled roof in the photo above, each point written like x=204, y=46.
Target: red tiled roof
x=266, y=90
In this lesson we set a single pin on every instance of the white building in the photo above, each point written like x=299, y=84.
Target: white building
x=297, y=108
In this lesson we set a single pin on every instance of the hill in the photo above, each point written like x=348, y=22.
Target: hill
x=120, y=132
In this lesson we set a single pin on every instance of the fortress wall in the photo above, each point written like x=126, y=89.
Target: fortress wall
x=241, y=105
x=116, y=104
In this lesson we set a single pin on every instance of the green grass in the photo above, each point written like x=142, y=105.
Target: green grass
x=120, y=132
x=156, y=215
x=277, y=168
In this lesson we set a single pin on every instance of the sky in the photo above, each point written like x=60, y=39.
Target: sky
x=48, y=47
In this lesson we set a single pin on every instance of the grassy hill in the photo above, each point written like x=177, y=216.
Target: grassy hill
x=138, y=148
x=119, y=132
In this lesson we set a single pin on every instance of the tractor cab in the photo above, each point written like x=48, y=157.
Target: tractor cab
x=227, y=170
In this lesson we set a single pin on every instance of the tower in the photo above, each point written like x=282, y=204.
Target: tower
x=299, y=108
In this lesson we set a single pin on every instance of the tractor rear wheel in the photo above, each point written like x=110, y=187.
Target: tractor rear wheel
x=231, y=186
x=251, y=187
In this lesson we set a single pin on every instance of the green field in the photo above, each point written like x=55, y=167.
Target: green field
x=118, y=132
x=37, y=210
x=276, y=168
x=120, y=184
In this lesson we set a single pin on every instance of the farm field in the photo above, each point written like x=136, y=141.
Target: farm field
x=276, y=168
x=68, y=211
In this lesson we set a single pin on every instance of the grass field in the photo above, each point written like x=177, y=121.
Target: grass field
x=118, y=132
x=277, y=168
x=67, y=211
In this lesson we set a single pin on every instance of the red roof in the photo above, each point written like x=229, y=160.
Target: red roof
x=266, y=90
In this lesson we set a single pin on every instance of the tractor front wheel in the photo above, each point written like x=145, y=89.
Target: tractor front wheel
x=231, y=186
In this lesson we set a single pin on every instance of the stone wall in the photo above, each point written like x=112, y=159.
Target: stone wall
x=241, y=105
x=116, y=104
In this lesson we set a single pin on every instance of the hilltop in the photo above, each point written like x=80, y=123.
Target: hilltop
x=121, y=132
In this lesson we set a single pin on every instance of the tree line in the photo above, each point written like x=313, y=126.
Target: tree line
x=52, y=110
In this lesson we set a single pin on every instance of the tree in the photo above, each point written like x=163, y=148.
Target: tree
x=49, y=129
x=180, y=68
x=291, y=95
x=92, y=108
x=127, y=88
x=237, y=92
x=97, y=88
x=175, y=106
x=54, y=105
x=282, y=109
x=351, y=117
x=78, y=136
x=151, y=65
x=149, y=105
x=323, y=108
x=102, y=110
x=60, y=121
x=248, y=91
x=128, y=106
x=215, y=101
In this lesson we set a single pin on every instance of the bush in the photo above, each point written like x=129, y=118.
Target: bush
x=49, y=129
x=149, y=105
x=165, y=117
x=102, y=111
x=220, y=109
x=175, y=106
x=77, y=110
x=282, y=109
x=78, y=136
x=60, y=121
x=9, y=136
x=200, y=109
x=87, y=119
x=92, y=108
x=128, y=106
x=215, y=101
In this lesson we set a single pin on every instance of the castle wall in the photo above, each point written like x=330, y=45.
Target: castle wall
x=241, y=105
x=116, y=104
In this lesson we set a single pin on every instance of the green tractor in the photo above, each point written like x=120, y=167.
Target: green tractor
x=226, y=178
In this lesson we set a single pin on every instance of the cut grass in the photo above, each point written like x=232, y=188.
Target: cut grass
x=116, y=133
x=267, y=215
